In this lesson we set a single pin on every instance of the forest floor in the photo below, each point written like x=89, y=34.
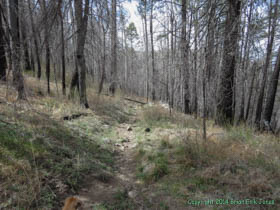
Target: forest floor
x=123, y=155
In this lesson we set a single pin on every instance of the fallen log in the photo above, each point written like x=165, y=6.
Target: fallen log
x=74, y=116
x=139, y=102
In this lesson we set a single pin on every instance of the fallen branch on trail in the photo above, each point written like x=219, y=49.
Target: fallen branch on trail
x=139, y=102
x=74, y=116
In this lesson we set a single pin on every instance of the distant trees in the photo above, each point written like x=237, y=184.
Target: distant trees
x=223, y=43
x=131, y=33
x=214, y=59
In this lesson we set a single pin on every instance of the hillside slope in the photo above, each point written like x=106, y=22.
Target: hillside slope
x=122, y=155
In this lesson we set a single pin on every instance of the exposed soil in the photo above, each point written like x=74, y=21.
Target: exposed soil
x=100, y=190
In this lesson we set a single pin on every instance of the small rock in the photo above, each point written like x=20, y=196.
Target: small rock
x=148, y=168
x=133, y=121
x=106, y=126
x=107, y=141
x=104, y=177
x=129, y=128
x=40, y=93
x=132, y=194
x=133, y=145
x=117, y=144
x=147, y=130
x=191, y=187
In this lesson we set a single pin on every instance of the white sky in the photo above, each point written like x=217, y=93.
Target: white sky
x=131, y=7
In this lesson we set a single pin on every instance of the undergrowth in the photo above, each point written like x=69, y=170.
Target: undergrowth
x=157, y=116
x=42, y=157
x=233, y=163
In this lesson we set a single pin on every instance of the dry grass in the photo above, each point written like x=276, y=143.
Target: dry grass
x=158, y=116
x=43, y=157
x=233, y=163
x=110, y=108
x=36, y=144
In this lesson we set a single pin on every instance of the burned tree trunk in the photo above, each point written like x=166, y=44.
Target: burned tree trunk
x=225, y=104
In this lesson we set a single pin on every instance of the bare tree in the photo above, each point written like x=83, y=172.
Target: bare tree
x=75, y=77
x=24, y=40
x=3, y=62
x=112, y=87
x=143, y=11
x=271, y=28
x=35, y=39
x=14, y=20
x=62, y=47
x=271, y=91
x=251, y=87
x=46, y=41
x=152, y=51
x=104, y=24
x=184, y=61
x=81, y=16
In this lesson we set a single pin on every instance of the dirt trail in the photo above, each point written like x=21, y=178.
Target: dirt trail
x=124, y=180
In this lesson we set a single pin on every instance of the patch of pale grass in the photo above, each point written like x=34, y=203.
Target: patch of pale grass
x=155, y=114
x=7, y=92
x=109, y=107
